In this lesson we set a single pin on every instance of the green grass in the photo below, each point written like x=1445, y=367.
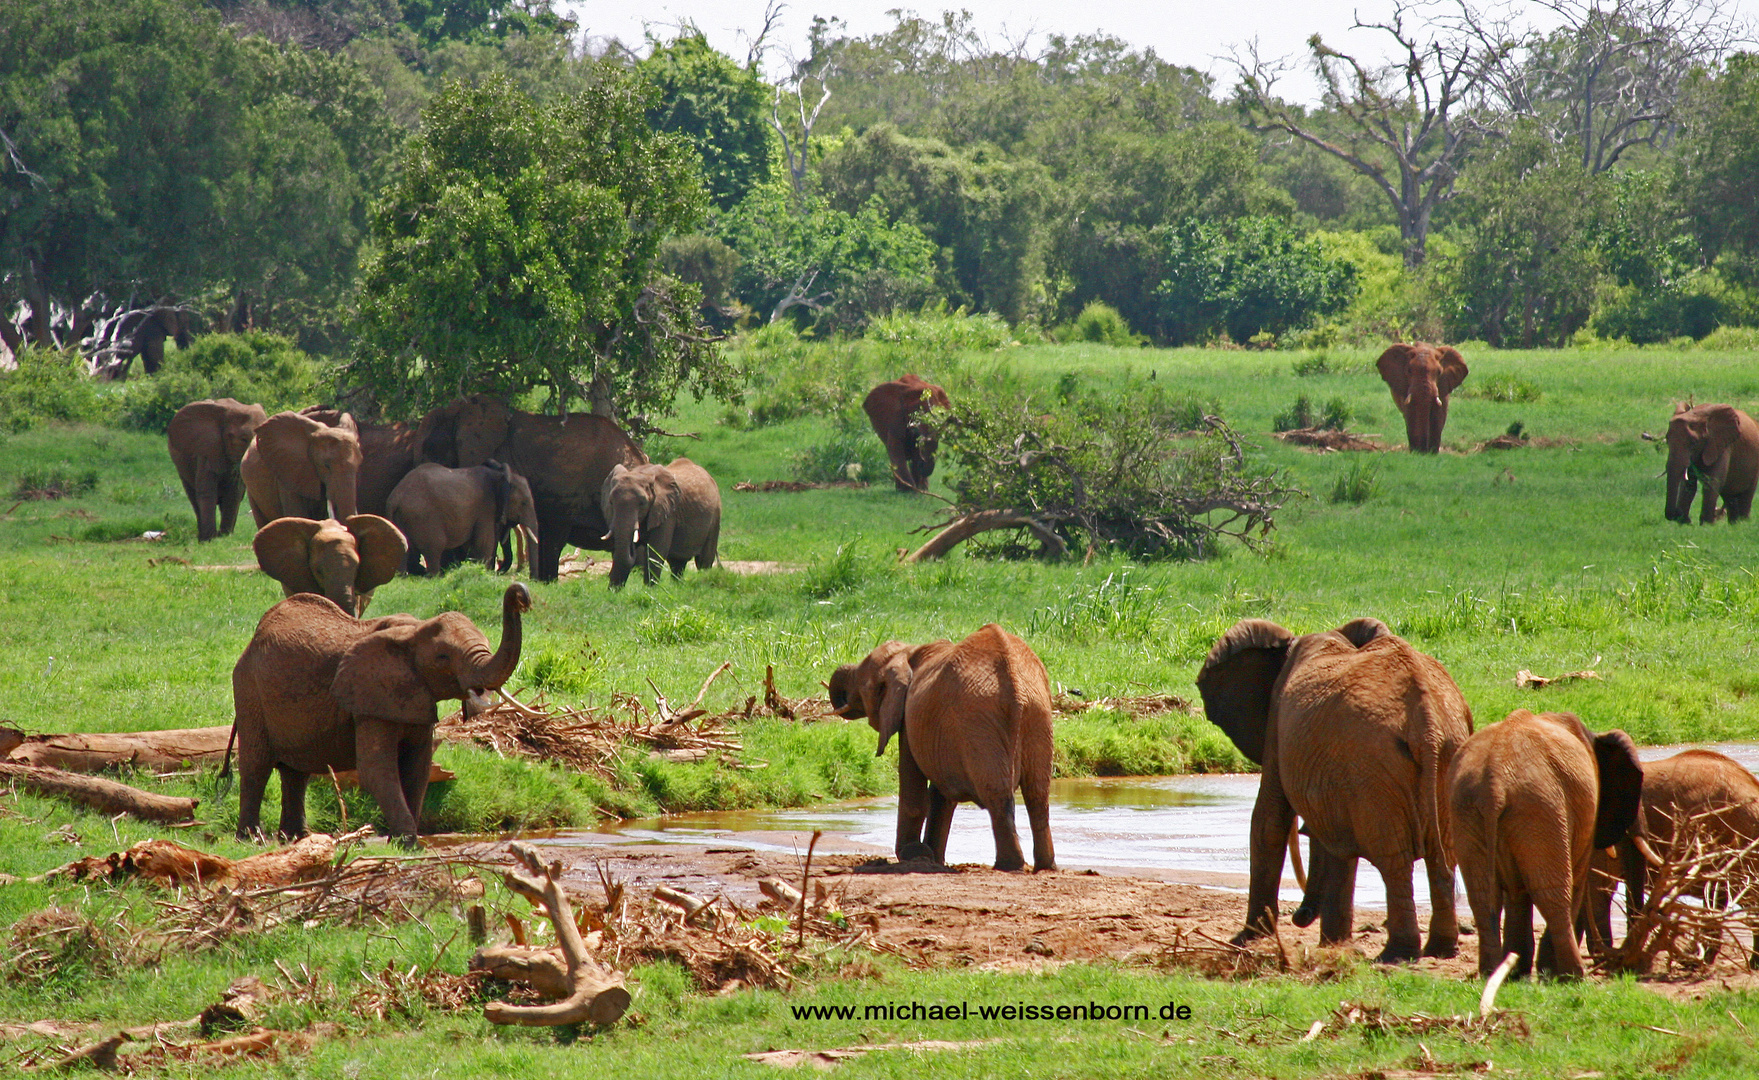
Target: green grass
x=1553, y=558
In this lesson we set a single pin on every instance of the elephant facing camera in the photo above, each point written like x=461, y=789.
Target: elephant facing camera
x=342, y=560
x=1716, y=446
x=973, y=722
x=318, y=689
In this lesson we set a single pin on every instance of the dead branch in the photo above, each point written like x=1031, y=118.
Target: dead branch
x=105, y=796
x=1701, y=862
x=965, y=526
x=175, y=866
x=596, y=994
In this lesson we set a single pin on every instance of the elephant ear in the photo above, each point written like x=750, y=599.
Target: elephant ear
x=377, y=677
x=1621, y=787
x=1360, y=632
x=1394, y=365
x=283, y=548
x=484, y=423
x=1453, y=369
x=894, y=687
x=1236, y=680
x=663, y=511
x=1722, y=427
x=382, y=549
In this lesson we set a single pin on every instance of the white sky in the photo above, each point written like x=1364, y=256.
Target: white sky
x=1195, y=33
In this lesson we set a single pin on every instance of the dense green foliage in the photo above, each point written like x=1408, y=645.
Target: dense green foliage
x=720, y=107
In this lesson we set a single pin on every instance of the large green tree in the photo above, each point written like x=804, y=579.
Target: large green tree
x=719, y=106
x=519, y=249
x=1721, y=168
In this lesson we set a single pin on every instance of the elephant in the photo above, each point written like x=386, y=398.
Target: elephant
x=1530, y=799
x=440, y=509
x=893, y=408
x=298, y=466
x=318, y=689
x=343, y=560
x=565, y=459
x=207, y=440
x=1690, y=784
x=141, y=333
x=1354, y=730
x=973, y=722
x=387, y=453
x=1421, y=377
x=1718, y=445
x=672, y=511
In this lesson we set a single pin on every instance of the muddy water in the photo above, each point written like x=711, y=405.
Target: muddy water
x=1177, y=828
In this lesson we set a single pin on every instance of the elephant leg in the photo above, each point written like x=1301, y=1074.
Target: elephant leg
x=253, y=781
x=1739, y=507
x=415, y=758
x=940, y=823
x=378, y=761
x=1037, y=796
x=1272, y=817
x=1403, y=937
x=678, y=566
x=292, y=802
x=1486, y=900
x=1517, y=932
x=552, y=538
x=200, y=491
x=1558, y=954
x=1001, y=823
x=229, y=493
x=913, y=806
x=1337, y=909
x=1444, y=919
x=1708, y=511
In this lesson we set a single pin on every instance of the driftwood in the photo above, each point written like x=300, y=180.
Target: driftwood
x=964, y=527
x=159, y=750
x=105, y=796
x=595, y=994
x=175, y=866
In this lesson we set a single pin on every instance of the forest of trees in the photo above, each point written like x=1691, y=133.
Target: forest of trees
x=455, y=194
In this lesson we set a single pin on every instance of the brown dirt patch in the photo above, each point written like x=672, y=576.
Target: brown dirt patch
x=1326, y=440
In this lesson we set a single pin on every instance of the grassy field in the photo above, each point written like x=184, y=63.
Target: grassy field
x=1553, y=557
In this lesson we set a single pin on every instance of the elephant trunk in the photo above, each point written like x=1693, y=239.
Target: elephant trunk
x=497, y=669
x=1680, y=485
x=625, y=536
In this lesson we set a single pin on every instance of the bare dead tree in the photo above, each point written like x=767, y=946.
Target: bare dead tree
x=757, y=44
x=794, y=150
x=1406, y=125
x=1610, y=77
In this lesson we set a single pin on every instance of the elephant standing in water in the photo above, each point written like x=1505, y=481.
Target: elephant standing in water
x=1354, y=730
x=1421, y=377
x=208, y=440
x=318, y=689
x=973, y=722
x=894, y=409
x=1531, y=799
x=1717, y=445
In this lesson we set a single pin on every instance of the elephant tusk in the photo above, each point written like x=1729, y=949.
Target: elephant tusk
x=518, y=706
x=1648, y=853
x=1438, y=399
x=635, y=537
x=607, y=535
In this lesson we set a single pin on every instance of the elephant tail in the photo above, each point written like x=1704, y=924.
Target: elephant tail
x=226, y=762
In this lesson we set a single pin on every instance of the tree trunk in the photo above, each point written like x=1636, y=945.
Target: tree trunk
x=89, y=753
x=175, y=866
x=105, y=796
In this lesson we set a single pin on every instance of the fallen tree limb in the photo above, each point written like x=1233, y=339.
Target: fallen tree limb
x=964, y=527
x=105, y=796
x=89, y=753
x=596, y=994
x=175, y=866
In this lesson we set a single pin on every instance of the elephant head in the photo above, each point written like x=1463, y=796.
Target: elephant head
x=1620, y=777
x=640, y=505
x=310, y=465
x=515, y=507
x=1700, y=441
x=404, y=668
x=876, y=688
x=467, y=432
x=343, y=560
x=1421, y=377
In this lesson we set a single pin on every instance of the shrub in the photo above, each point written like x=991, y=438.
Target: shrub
x=1299, y=415
x=681, y=625
x=1359, y=483
x=1101, y=324
x=45, y=482
x=1318, y=363
x=49, y=386
x=841, y=571
x=254, y=367
x=1504, y=386
x=1335, y=415
x=936, y=332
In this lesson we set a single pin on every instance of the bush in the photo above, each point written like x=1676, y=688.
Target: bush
x=1504, y=386
x=1246, y=277
x=49, y=386
x=1335, y=415
x=1101, y=324
x=1359, y=483
x=937, y=333
x=45, y=482
x=254, y=367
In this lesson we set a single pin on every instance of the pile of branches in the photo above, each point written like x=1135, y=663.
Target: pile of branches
x=1138, y=706
x=1129, y=472
x=1706, y=887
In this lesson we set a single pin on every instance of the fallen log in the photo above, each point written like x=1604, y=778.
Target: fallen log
x=105, y=796
x=596, y=994
x=175, y=748
x=963, y=528
x=174, y=866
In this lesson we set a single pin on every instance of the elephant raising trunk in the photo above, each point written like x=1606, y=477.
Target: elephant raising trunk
x=490, y=671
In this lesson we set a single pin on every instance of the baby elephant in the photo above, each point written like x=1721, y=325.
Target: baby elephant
x=669, y=511
x=974, y=723
x=343, y=560
x=440, y=509
x=1532, y=798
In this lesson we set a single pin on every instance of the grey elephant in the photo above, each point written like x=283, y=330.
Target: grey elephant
x=1354, y=729
x=317, y=689
x=1531, y=799
x=299, y=466
x=973, y=721
x=439, y=509
x=1718, y=446
x=342, y=560
x=671, y=512
x=208, y=439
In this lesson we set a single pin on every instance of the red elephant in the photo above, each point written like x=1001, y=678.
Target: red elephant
x=1421, y=377
x=893, y=408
